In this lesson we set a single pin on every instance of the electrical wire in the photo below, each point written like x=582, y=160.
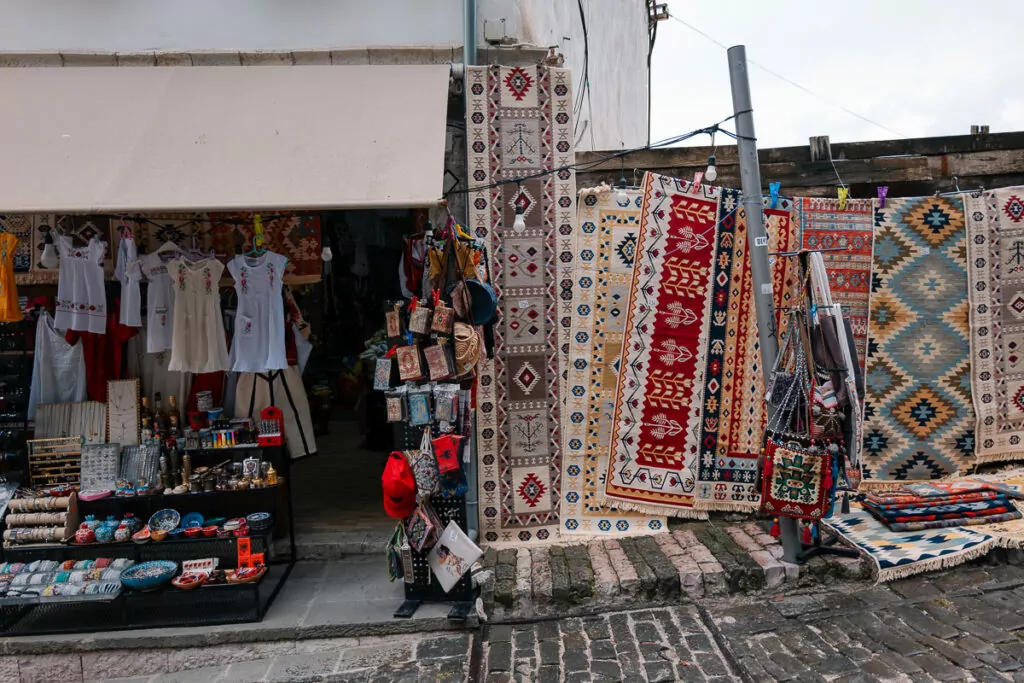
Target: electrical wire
x=587, y=165
x=585, y=75
x=791, y=81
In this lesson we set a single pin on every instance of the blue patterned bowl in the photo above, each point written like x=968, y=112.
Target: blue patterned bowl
x=147, y=576
x=191, y=519
x=165, y=519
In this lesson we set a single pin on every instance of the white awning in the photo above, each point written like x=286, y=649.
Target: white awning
x=156, y=139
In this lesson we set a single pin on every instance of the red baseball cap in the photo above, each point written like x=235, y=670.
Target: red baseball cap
x=399, y=486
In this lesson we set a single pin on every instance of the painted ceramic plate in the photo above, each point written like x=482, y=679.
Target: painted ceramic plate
x=165, y=519
x=258, y=519
x=191, y=519
x=149, y=575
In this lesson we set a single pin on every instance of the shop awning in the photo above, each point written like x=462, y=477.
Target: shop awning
x=155, y=139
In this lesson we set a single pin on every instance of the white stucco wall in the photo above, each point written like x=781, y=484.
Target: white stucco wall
x=618, y=37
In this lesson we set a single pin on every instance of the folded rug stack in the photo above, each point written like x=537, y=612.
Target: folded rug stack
x=916, y=507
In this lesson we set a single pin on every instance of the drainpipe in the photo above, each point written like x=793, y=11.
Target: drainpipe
x=472, y=494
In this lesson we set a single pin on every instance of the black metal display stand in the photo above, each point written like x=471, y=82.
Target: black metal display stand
x=167, y=606
x=425, y=587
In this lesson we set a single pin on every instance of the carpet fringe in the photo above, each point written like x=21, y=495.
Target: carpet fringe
x=658, y=510
x=719, y=506
x=935, y=563
x=1017, y=456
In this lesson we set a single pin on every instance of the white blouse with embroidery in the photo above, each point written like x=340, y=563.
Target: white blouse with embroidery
x=81, y=300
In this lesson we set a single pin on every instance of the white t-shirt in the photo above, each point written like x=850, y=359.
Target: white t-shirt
x=128, y=273
x=159, y=304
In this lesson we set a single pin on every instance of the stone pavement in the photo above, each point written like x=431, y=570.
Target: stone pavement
x=965, y=624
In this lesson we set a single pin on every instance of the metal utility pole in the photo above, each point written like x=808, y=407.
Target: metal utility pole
x=757, y=244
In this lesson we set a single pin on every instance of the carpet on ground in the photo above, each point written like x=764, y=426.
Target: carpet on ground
x=899, y=554
x=995, y=238
x=919, y=421
x=655, y=445
x=519, y=122
x=605, y=249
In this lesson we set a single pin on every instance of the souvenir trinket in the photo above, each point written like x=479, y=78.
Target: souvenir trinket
x=410, y=367
x=446, y=450
x=393, y=322
x=382, y=374
x=446, y=405
x=419, y=407
x=423, y=527
x=444, y=319
x=440, y=363
x=419, y=318
x=396, y=404
x=796, y=480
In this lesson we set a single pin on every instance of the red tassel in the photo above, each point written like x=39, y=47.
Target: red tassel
x=775, y=532
x=807, y=540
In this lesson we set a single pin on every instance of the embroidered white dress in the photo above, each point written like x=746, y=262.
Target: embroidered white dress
x=159, y=304
x=81, y=301
x=58, y=369
x=128, y=274
x=199, y=344
x=258, y=341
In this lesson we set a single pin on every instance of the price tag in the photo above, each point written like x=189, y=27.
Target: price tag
x=925, y=251
x=761, y=241
x=766, y=288
x=523, y=303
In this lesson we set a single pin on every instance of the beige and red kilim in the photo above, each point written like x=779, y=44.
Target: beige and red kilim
x=734, y=412
x=519, y=122
x=655, y=430
x=848, y=232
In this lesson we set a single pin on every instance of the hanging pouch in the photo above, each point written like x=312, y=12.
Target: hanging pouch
x=423, y=527
x=424, y=469
x=419, y=317
x=394, y=553
x=446, y=405
x=395, y=403
x=419, y=406
x=393, y=322
x=410, y=365
x=384, y=373
x=797, y=479
x=446, y=449
x=444, y=319
x=440, y=363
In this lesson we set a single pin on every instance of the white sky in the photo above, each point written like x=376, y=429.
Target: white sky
x=920, y=67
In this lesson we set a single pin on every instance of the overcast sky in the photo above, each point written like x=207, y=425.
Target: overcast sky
x=918, y=67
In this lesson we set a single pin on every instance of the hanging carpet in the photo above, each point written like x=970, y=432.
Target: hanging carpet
x=995, y=238
x=824, y=226
x=655, y=443
x=605, y=249
x=519, y=122
x=919, y=420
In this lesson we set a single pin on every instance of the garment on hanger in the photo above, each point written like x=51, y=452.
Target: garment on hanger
x=153, y=373
x=258, y=338
x=284, y=389
x=81, y=301
x=159, y=304
x=58, y=369
x=10, y=311
x=128, y=272
x=199, y=344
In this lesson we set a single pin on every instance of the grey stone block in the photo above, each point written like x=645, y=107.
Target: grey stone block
x=50, y=668
x=123, y=663
x=499, y=657
x=374, y=656
x=303, y=666
x=444, y=646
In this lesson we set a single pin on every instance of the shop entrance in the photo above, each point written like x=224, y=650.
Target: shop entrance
x=338, y=507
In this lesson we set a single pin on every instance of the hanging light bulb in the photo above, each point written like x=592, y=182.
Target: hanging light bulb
x=711, y=174
x=621, y=198
x=519, y=224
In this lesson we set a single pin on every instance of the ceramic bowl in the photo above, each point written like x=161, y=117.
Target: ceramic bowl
x=175, y=533
x=223, y=533
x=215, y=521
x=210, y=530
x=158, y=534
x=142, y=536
x=191, y=519
x=150, y=575
x=193, y=531
x=233, y=524
x=259, y=521
x=165, y=519
x=189, y=580
x=241, y=531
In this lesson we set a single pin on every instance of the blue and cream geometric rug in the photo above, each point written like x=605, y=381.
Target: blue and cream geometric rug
x=896, y=555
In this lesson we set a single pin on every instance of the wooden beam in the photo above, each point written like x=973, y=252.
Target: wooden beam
x=820, y=149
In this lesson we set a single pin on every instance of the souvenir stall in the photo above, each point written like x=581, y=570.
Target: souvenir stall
x=152, y=490
x=427, y=375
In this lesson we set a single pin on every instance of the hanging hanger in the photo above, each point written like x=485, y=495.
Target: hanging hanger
x=169, y=247
x=257, y=237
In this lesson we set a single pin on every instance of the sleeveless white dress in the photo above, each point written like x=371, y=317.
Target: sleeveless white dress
x=81, y=299
x=257, y=344
x=199, y=344
x=58, y=369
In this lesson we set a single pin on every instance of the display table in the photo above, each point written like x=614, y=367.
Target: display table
x=167, y=606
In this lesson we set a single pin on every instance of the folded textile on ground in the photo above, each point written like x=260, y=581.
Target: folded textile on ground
x=958, y=522
x=906, y=502
x=926, y=493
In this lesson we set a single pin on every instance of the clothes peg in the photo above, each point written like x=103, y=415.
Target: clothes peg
x=698, y=177
x=844, y=194
x=773, y=190
x=882, y=192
